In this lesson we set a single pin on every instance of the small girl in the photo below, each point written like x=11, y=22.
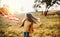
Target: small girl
x=28, y=22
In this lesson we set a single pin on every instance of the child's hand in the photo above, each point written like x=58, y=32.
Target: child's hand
x=20, y=26
x=38, y=19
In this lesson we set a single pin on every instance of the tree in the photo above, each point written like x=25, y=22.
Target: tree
x=48, y=3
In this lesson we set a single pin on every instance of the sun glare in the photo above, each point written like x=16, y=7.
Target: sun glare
x=21, y=6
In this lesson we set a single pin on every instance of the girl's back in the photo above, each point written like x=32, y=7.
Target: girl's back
x=27, y=26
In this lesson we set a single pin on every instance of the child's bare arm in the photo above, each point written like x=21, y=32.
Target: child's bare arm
x=23, y=21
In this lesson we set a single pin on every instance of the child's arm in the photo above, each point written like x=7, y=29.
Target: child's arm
x=23, y=21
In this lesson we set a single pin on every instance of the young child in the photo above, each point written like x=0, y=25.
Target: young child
x=28, y=22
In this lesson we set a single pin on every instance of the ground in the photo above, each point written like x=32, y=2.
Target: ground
x=49, y=26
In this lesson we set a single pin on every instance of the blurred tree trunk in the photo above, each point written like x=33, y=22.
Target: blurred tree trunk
x=45, y=13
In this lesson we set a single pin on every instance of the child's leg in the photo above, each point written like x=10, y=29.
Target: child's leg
x=26, y=34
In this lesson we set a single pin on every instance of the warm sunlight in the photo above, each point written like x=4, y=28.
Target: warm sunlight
x=21, y=6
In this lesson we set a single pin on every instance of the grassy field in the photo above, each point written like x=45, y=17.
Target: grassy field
x=48, y=27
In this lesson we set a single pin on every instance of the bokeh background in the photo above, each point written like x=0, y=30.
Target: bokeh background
x=49, y=25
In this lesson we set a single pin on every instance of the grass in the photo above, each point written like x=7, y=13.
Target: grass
x=49, y=27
